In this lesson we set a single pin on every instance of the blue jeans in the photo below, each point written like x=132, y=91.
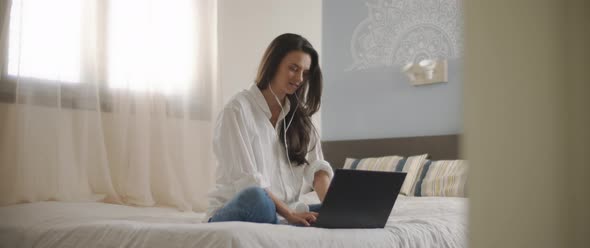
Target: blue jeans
x=251, y=205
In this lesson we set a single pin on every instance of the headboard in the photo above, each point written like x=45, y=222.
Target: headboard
x=438, y=147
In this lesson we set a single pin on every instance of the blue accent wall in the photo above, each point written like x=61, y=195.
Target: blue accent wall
x=379, y=101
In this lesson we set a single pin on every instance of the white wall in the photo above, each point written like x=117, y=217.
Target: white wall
x=247, y=27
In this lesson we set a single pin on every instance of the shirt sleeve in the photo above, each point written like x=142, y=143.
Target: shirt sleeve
x=233, y=149
x=316, y=162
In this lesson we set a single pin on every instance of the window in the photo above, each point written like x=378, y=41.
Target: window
x=148, y=45
x=44, y=39
x=150, y=49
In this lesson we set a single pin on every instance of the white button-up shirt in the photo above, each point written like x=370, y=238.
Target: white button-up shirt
x=249, y=153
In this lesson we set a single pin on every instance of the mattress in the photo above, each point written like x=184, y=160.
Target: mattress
x=414, y=222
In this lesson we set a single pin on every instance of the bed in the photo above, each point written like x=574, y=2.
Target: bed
x=414, y=222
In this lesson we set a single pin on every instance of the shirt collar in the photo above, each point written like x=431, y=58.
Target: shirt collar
x=261, y=102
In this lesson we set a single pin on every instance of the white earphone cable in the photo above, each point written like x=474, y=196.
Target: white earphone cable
x=285, y=127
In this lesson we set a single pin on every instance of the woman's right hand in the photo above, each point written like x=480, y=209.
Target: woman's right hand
x=305, y=218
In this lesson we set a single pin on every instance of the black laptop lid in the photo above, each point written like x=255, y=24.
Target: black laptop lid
x=360, y=199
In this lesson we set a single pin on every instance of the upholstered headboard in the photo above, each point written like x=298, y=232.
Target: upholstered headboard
x=438, y=147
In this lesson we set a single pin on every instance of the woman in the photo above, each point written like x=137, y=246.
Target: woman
x=265, y=143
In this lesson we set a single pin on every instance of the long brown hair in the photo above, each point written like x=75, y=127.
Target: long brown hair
x=309, y=94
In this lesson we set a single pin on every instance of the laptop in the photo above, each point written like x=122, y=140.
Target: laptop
x=359, y=199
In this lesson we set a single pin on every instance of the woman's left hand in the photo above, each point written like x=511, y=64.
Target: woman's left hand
x=305, y=218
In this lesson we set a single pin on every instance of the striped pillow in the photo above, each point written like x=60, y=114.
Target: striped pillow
x=388, y=163
x=442, y=178
x=410, y=165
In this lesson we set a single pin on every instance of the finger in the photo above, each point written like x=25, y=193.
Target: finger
x=312, y=218
x=305, y=222
x=314, y=214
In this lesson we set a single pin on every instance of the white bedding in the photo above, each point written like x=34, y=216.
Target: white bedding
x=415, y=222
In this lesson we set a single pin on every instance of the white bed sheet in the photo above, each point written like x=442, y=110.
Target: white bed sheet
x=415, y=222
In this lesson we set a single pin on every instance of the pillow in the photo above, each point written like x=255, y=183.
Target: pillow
x=410, y=165
x=388, y=163
x=442, y=178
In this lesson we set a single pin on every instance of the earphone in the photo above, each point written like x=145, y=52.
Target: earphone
x=285, y=128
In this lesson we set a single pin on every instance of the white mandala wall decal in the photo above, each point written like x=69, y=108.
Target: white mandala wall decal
x=397, y=32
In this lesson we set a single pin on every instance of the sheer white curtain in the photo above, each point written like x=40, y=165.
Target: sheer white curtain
x=107, y=101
